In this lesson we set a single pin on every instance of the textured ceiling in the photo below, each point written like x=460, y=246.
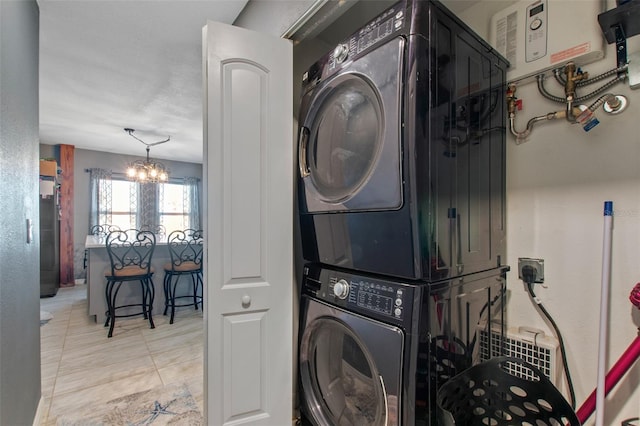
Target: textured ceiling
x=110, y=64
x=107, y=65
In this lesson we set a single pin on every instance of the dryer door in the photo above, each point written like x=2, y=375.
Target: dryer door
x=350, y=368
x=349, y=142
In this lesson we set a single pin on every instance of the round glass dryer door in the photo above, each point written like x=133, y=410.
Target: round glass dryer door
x=345, y=137
x=349, y=149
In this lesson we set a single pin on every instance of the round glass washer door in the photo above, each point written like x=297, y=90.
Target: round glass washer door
x=340, y=377
x=345, y=137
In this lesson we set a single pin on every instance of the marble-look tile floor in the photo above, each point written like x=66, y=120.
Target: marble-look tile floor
x=81, y=366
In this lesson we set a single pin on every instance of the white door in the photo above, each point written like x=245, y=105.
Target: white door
x=248, y=223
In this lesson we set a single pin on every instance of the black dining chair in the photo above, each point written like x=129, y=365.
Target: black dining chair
x=185, y=250
x=130, y=253
x=100, y=231
x=103, y=230
x=156, y=229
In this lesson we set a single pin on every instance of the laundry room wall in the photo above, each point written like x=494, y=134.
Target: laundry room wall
x=557, y=183
x=20, y=385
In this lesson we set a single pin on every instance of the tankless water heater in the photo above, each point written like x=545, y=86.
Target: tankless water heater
x=536, y=36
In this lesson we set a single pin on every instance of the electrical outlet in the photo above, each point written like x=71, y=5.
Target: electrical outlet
x=537, y=264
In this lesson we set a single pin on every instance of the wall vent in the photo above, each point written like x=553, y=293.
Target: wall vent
x=528, y=344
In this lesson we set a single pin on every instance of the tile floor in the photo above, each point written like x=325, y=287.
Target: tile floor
x=81, y=366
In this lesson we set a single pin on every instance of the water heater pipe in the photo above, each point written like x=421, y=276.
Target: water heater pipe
x=557, y=73
x=604, y=311
x=512, y=107
x=572, y=79
x=620, y=75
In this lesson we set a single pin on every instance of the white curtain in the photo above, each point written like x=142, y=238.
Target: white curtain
x=100, y=205
x=148, y=208
x=191, y=201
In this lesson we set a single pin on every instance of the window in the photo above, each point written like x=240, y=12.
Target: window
x=124, y=206
x=162, y=208
x=174, y=207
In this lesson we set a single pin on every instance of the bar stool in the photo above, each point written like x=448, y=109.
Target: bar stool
x=103, y=230
x=156, y=229
x=130, y=253
x=185, y=249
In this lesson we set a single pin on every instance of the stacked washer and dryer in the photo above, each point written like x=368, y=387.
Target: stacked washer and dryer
x=402, y=213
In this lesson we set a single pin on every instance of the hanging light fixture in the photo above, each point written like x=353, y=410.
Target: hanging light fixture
x=147, y=171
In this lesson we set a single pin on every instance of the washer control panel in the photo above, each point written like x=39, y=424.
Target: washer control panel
x=370, y=296
x=340, y=53
x=341, y=289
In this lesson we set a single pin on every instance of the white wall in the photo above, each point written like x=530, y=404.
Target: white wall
x=557, y=184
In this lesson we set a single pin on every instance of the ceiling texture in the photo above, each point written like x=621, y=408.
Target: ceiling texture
x=107, y=65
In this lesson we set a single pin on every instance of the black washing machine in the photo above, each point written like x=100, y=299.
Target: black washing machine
x=402, y=149
x=373, y=352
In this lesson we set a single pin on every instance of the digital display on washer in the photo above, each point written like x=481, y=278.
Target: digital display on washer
x=376, y=34
x=375, y=302
x=372, y=296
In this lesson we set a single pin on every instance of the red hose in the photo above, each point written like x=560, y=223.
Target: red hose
x=635, y=296
x=628, y=358
x=625, y=362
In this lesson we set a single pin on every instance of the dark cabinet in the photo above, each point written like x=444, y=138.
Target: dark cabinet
x=49, y=247
x=463, y=190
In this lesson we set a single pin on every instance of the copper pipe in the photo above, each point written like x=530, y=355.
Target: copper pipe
x=572, y=79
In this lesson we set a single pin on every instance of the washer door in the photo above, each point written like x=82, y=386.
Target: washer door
x=351, y=369
x=349, y=149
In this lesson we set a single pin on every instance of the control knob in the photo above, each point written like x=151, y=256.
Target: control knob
x=341, y=289
x=340, y=53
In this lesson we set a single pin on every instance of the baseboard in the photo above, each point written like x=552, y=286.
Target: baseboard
x=37, y=420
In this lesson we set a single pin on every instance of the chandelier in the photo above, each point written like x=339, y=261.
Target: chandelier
x=148, y=170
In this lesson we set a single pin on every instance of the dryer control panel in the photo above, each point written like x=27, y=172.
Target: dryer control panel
x=383, y=26
x=387, y=25
x=373, y=297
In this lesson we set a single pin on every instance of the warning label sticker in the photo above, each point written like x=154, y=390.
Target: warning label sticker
x=571, y=52
x=507, y=37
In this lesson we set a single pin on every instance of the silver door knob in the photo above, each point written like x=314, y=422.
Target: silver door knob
x=246, y=301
